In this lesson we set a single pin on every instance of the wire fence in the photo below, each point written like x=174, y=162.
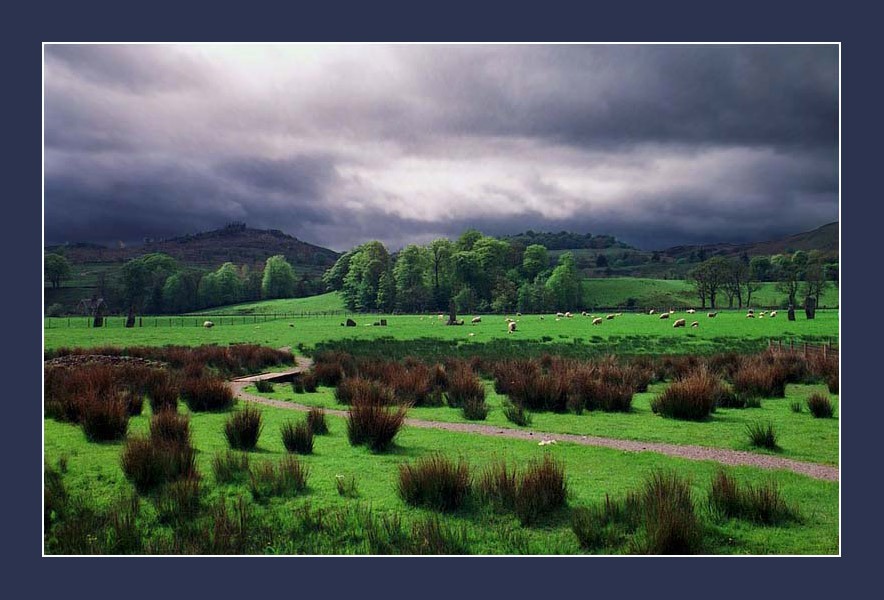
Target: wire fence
x=829, y=348
x=84, y=322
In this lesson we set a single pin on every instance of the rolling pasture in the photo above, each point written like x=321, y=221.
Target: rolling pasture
x=353, y=500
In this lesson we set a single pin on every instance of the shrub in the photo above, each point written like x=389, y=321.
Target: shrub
x=671, y=525
x=297, y=384
x=346, y=486
x=606, y=386
x=243, y=428
x=316, y=420
x=498, y=484
x=756, y=378
x=763, y=504
x=169, y=426
x=832, y=383
x=150, y=463
x=516, y=414
x=691, y=398
x=820, y=406
x=264, y=386
x=104, y=419
x=297, y=437
x=289, y=478
x=431, y=536
x=435, y=482
x=206, y=394
x=373, y=424
x=230, y=466
x=541, y=490
x=463, y=388
x=762, y=435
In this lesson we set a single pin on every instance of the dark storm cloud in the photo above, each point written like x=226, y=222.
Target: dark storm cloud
x=659, y=145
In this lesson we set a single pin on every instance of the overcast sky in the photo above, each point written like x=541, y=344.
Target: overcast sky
x=336, y=145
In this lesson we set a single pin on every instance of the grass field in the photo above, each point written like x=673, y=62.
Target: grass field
x=801, y=436
x=630, y=333
x=591, y=473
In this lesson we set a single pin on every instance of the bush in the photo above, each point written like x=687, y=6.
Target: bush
x=169, y=426
x=763, y=504
x=464, y=387
x=691, y=398
x=435, y=482
x=149, y=463
x=308, y=380
x=163, y=393
x=541, y=490
x=316, y=420
x=289, y=478
x=243, y=428
x=671, y=525
x=372, y=424
x=762, y=435
x=832, y=383
x=297, y=437
x=206, y=394
x=761, y=379
x=230, y=466
x=516, y=414
x=606, y=386
x=264, y=386
x=104, y=419
x=820, y=406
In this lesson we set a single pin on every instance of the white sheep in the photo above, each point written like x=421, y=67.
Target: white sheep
x=773, y=313
x=695, y=324
x=750, y=315
x=609, y=317
x=476, y=320
x=568, y=315
x=208, y=324
x=650, y=312
x=597, y=321
x=679, y=323
x=690, y=311
x=664, y=315
x=711, y=315
x=511, y=327
x=560, y=315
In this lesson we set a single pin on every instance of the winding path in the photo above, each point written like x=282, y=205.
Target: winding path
x=720, y=455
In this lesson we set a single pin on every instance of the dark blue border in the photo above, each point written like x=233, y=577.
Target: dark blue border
x=657, y=21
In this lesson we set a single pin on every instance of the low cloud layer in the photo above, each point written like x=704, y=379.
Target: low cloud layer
x=659, y=145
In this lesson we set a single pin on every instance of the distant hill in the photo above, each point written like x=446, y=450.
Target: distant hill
x=824, y=239
x=235, y=243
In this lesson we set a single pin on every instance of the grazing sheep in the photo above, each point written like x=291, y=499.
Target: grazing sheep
x=690, y=311
x=472, y=334
x=568, y=315
x=511, y=326
x=476, y=320
x=760, y=316
x=597, y=321
x=695, y=324
x=671, y=311
x=618, y=314
x=560, y=315
x=583, y=314
x=518, y=314
x=664, y=315
x=773, y=313
x=609, y=317
x=441, y=317
x=650, y=312
x=541, y=317
x=711, y=315
x=679, y=323
x=208, y=324
x=750, y=316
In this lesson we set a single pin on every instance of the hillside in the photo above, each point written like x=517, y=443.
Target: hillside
x=823, y=239
x=235, y=243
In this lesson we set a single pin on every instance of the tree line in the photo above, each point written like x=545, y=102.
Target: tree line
x=157, y=284
x=737, y=278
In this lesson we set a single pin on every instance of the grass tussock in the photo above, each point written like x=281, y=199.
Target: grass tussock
x=288, y=478
x=206, y=394
x=243, y=428
x=297, y=437
x=763, y=504
x=373, y=424
x=691, y=398
x=149, y=463
x=762, y=435
x=671, y=525
x=820, y=406
x=317, y=421
x=230, y=467
x=435, y=482
x=264, y=386
x=542, y=489
x=169, y=426
x=516, y=414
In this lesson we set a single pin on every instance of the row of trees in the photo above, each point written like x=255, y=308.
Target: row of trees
x=738, y=278
x=480, y=273
x=156, y=283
